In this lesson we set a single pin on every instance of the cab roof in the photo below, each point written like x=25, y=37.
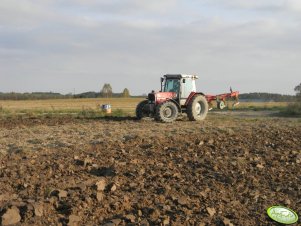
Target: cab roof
x=179, y=76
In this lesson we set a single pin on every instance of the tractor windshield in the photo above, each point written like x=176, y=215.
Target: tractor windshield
x=172, y=85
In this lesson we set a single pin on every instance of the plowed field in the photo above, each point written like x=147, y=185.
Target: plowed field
x=226, y=170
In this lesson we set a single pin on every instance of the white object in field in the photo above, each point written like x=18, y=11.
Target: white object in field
x=106, y=108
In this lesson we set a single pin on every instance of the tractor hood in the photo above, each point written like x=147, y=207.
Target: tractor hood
x=159, y=97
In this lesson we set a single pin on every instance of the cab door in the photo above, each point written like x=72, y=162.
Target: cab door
x=186, y=88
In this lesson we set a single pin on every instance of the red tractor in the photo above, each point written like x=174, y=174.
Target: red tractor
x=178, y=95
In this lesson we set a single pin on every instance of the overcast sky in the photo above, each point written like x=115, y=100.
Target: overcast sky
x=78, y=45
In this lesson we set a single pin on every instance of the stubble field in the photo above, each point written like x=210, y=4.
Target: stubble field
x=127, y=105
x=226, y=170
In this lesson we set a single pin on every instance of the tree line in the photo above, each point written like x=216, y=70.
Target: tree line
x=107, y=92
x=273, y=96
x=33, y=96
x=264, y=97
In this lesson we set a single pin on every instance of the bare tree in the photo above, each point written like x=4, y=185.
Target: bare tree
x=106, y=90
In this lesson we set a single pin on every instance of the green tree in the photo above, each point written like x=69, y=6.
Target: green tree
x=106, y=90
x=298, y=92
x=125, y=93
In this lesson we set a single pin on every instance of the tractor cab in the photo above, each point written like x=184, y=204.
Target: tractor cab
x=181, y=85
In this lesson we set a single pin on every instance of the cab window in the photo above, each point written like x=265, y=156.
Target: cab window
x=172, y=85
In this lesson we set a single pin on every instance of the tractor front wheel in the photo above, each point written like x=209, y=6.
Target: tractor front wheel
x=140, y=109
x=197, y=109
x=166, y=112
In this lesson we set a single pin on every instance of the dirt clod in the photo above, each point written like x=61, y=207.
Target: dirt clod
x=116, y=221
x=11, y=216
x=99, y=196
x=74, y=220
x=130, y=217
x=59, y=193
x=182, y=200
x=101, y=184
x=38, y=209
x=211, y=211
x=166, y=221
x=227, y=222
x=113, y=188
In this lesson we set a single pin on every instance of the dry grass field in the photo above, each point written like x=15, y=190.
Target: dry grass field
x=262, y=105
x=127, y=105
x=69, y=105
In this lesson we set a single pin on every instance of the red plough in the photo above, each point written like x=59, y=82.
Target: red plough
x=221, y=99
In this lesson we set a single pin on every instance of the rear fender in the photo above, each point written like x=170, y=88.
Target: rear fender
x=192, y=94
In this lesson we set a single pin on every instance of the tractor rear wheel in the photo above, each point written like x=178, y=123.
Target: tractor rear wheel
x=197, y=109
x=139, y=109
x=166, y=112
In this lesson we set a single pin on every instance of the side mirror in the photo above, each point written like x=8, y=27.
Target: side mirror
x=162, y=79
x=184, y=80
